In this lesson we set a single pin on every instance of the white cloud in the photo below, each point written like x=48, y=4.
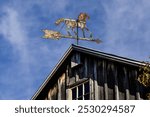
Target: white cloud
x=32, y=59
x=127, y=26
x=16, y=74
x=12, y=30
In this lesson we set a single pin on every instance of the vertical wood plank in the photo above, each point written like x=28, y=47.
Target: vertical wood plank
x=63, y=87
x=53, y=93
x=96, y=92
x=67, y=82
x=49, y=95
x=121, y=82
x=78, y=56
x=85, y=68
x=116, y=83
x=100, y=79
x=91, y=89
x=76, y=76
x=105, y=81
x=59, y=90
x=126, y=82
x=68, y=94
x=67, y=75
x=137, y=87
x=83, y=90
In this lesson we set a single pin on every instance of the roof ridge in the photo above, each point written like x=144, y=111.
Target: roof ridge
x=106, y=54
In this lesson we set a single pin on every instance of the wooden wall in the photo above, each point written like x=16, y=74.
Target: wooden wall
x=108, y=79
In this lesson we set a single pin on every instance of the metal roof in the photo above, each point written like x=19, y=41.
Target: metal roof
x=86, y=51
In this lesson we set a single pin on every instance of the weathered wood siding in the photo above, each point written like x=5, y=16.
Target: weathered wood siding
x=108, y=79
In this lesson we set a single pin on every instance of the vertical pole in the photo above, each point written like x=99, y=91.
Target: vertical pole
x=77, y=31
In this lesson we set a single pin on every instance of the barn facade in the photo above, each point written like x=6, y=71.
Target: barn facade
x=86, y=74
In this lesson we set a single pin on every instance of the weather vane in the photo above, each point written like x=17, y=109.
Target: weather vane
x=72, y=28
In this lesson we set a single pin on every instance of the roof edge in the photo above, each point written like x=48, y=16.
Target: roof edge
x=69, y=50
x=103, y=54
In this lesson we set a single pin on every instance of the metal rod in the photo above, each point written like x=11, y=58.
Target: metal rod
x=77, y=32
x=74, y=37
x=81, y=38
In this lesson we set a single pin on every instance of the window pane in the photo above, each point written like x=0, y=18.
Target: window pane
x=74, y=93
x=87, y=97
x=86, y=88
x=80, y=98
x=80, y=90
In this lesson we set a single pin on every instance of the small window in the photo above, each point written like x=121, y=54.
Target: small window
x=81, y=91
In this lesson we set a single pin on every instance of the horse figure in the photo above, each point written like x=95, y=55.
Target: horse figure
x=72, y=24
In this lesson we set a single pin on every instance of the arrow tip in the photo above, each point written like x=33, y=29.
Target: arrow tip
x=98, y=41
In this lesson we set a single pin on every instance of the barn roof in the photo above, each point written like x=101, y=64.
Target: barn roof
x=88, y=51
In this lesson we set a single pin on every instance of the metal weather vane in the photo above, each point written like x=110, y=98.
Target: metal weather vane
x=71, y=25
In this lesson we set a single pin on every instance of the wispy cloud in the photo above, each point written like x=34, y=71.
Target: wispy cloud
x=127, y=26
x=32, y=58
x=13, y=32
x=16, y=73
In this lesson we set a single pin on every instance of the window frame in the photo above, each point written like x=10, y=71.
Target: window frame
x=76, y=87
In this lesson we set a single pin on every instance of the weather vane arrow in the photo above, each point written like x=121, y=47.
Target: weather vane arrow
x=71, y=25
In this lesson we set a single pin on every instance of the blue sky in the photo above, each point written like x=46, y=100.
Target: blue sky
x=26, y=59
